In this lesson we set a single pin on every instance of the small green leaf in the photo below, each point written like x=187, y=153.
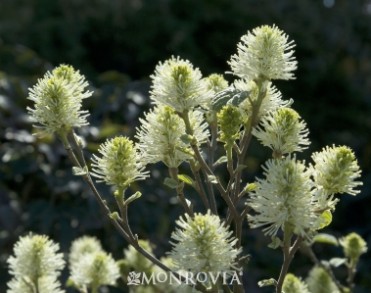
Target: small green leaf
x=267, y=282
x=276, y=242
x=212, y=179
x=325, y=219
x=133, y=197
x=186, y=179
x=240, y=167
x=221, y=160
x=250, y=187
x=325, y=238
x=337, y=261
x=228, y=96
x=186, y=138
x=78, y=171
x=114, y=216
x=171, y=183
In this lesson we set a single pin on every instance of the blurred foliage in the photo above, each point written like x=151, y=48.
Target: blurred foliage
x=116, y=44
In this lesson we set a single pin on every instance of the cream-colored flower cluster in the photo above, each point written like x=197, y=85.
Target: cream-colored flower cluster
x=35, y=266
x=203, y=244
x=58, y=100
x=90, y=266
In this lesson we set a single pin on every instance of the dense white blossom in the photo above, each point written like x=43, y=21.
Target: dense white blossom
x=203, y=244
x=58, y=100
x=161, y=136
x=176, y=83
x=119, y=164
x=336, y=170
x=283, y=131
x=264, y=53
x=36, y=262
x=283, y=197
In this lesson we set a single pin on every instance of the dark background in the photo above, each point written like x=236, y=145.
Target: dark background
x=117, y=44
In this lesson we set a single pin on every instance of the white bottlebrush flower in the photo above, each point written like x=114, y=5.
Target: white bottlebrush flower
x=58, y=100
x=45, y=284
x=176, y=83
x=119, y=164
x=161, y=136
x=36, y=261
x=283, y=131
x=264, y=53
x=83, y=245
x=199, y=126
x=93, y=270
x=271, y=102
x=336, y=170
x=203, y=244
x=283, y=198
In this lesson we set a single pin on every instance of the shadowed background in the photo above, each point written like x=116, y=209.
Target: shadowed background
x=116, y=44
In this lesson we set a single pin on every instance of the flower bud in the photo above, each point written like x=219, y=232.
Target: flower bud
x=354, y=246
x=319, y=281
x=293, y=284
x=229, y=121
x=120, y=164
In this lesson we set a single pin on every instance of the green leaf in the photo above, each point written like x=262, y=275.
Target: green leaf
x=325, y=219
x=221, y=160
x=229, y=96
x=337, y=261
x=171, y=183
x=186, y=138
x=212, y=179
x=133, y=197
x=186, y=179
x=276, y=242
x=325, y=238
x=267, y=282
x=78, y=171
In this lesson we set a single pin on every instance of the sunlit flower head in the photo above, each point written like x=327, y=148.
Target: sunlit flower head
x=264, y=53
x=271, y=102
x=203, y=244
x=177, y=84
x=283, y=197
x=283, y=131
x=161, y=136
x=119, y=164
x=93, y=270
x=58, y=99
x=46, y=284
x=36, y=260
x=83, y=245
x=216, y=83
x=336, y=170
